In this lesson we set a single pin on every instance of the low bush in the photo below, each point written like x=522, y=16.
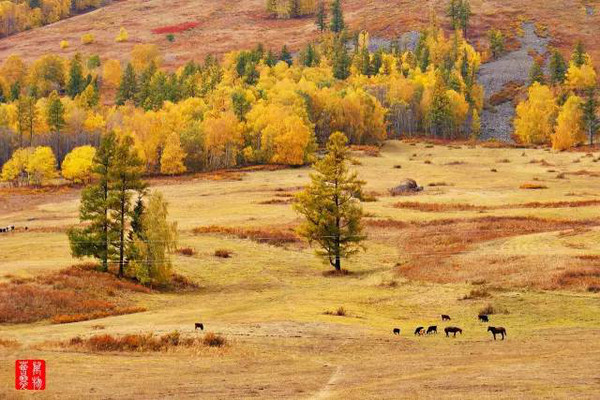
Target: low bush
x=272, y=236
x=186, y=251
x=437, y=207
x=213, y=340
x=88, y=38
x=68, y=318
x=533, y=186
x=223, y=253
x=340, y=312
x=73, y=294
x=371, y=151
x=178, y=28
x=10, y=344
x=144, y=342
x=477, y=294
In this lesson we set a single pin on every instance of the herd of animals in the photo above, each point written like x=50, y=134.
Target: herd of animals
x=432, y=329
x=501, y=331
x=11, y=228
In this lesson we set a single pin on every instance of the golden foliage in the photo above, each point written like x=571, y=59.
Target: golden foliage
x=569, y=125
x=123, y=36
x=112, y=72
x=534, y=123
x=143, y=55
x=88, y=38
x=77, y=165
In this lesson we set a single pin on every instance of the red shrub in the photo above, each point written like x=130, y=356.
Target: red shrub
x=178, y=28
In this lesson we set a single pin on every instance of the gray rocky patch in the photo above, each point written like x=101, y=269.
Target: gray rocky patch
x=497, y=123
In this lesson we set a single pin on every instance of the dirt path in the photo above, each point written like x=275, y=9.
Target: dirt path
x=325, y=391
x=497, y=123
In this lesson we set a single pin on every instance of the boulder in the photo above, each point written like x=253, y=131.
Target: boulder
x=405, y=187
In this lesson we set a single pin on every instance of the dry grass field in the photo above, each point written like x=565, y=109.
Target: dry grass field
x=472, y=240
x=225, y=25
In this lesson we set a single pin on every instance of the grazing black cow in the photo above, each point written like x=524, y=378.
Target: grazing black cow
x=12, y=227
x=432, y=329
x=452, y=329
x=199, y=325
x=483, y=318
x=497, y=331
x=445, y=317
x=420, y=330
x=396, y=331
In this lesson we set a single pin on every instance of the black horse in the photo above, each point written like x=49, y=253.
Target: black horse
x=483, y=318
x=199, y=325
x=396, y=331
x=419, y=330
x=445, y=317
x=452, y=329
x=497, y=331
x=432, y=329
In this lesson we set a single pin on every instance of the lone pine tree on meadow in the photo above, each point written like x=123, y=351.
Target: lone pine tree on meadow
x=331, y=206
x=97, y=237
x=106, y=206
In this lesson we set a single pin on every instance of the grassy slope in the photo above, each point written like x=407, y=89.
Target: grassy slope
x=227, y=25
x=269, y=302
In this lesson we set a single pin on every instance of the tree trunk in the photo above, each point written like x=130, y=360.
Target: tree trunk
x=338, y=263
x=122, y=238
x=58, y=159
x=105, y=231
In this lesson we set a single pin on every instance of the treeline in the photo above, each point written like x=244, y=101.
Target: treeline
x=254, y=107
x=20, y=15
x=561, y=106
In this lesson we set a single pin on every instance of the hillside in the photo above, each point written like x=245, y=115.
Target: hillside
x=226, y=25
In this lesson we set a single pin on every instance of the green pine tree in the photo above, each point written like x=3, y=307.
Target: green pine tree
x=286, y=56
x=241, y=105
x=464, y=16
x=98, y=235
x=145, y=85
x=125, y=176
x=76, y=83
x=55, y=118
x=558, y=68
x=337, y=17
x=341, y=61
x=128, y=87
x=590, y=117
x=294, y=8
x=579, y=55
x=321, y=16
x=331, y=206
x=270, y=60
x=536, y=74
x=439, y=116
x=377, y=62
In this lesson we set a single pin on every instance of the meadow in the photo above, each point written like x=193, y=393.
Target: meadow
x=475, y=239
